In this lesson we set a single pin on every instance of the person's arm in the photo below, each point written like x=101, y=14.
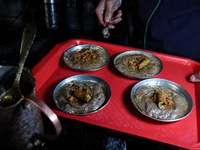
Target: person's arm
x=107, y=11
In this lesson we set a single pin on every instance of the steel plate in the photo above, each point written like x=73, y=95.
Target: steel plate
x=85, y=78
x=167, y=83
x=138, y=52
x=105, y=56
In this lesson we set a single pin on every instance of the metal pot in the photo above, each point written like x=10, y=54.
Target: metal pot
x=21, y=125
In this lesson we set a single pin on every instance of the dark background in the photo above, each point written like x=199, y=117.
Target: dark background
x=56, y=23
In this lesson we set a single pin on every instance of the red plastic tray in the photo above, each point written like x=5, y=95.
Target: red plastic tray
x=120, y=113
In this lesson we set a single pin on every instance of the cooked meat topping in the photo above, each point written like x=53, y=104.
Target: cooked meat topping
x=162, y=99
x=80, y=94
x=138, y=63
x=85, y=55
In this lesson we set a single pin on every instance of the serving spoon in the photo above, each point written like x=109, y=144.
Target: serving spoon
x=105, y=31
x=14, y=92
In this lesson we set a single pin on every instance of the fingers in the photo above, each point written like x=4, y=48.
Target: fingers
x=114, y=20
x=106, y=11
x=100, y=11
x=110, y=7
x=195, y=77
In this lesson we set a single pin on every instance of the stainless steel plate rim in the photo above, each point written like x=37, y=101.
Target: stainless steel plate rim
x=84, y=77
x=80, y=47
x=167, y=83
x=137, y=52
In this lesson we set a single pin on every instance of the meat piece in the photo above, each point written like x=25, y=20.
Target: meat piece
x=138, y=63
x=85, y=55
x=163, y=99
x=143, y=63
x=81, y=94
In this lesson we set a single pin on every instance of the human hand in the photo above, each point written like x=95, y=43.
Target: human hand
x=106, y=11
x=195, y=77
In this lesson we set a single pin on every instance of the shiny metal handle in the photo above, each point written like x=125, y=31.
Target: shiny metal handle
x=49, y=113
x=28, y=37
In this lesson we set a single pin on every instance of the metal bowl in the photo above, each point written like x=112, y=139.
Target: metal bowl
x=84, y=78
x=169, y=84
x=149, y=55
x=87, y=66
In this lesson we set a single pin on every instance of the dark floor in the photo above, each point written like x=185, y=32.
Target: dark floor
x=56, y=23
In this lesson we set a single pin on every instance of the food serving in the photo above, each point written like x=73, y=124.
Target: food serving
x=80, y=95
x=160, y=102
x=138, y=64
x=86, y=57
x=161, y=99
